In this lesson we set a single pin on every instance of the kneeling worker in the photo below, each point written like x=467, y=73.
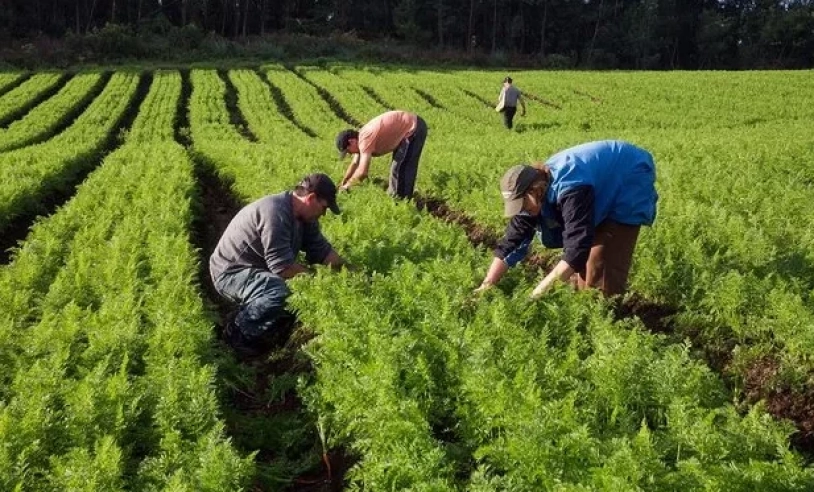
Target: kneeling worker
x=589, y=200
x=258, y=253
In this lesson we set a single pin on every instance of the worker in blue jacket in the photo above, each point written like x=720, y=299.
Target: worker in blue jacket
x=589, y=200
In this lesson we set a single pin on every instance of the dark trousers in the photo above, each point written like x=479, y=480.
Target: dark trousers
x=610, y=258
x=508, y=116
x=404, y=168
x=262, y=299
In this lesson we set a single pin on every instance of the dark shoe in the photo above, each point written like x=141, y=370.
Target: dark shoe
x=238, y=342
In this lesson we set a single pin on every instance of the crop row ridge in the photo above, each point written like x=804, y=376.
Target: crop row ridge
x=235, y=115
x=70, y=117
x=376, y=97
x=337, y=108
x=18, y=228
x=478, y=98
x=429, y=98
x=283, y=107
x=29, y=105
x=15, y=83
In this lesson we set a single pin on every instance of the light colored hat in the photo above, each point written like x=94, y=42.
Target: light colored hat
x=513, y=187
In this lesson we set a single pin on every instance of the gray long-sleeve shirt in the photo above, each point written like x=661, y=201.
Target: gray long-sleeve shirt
x=265, y=235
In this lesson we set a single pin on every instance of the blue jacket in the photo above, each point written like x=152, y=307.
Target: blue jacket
x=590, y=183
x=622, y=177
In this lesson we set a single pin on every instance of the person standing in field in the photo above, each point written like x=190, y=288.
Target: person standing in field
x=589, y=200
x=507, y=102
x=258, y=253
x=399, y=132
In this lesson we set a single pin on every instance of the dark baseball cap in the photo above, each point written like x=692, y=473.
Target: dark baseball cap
x=323, y=187
x=342, y=140
x=513, y=185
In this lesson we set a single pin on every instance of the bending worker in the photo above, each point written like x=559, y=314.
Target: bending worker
x=258, y=253
x=399, y=132
x=589, y=200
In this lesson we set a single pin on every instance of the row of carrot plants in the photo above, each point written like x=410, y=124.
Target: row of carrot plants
x=8, y=80
x=108, y=382
x=27, y=93
x=435, y=390
x=30, y=174
x=41, y=121
x=740, y=189
x=308, y=106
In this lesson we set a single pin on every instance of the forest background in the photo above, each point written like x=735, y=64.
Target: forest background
x=584, y=34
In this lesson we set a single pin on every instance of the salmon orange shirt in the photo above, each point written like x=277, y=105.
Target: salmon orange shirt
x=385, y=132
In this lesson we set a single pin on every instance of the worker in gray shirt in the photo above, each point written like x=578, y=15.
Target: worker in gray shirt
x=258, y=253
x=507, y=102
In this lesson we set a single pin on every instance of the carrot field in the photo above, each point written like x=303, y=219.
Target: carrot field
x=115, y=186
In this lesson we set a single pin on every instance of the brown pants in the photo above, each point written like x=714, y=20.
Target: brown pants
x=610, y=259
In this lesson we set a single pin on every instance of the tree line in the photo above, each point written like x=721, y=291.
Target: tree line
x=639, y=34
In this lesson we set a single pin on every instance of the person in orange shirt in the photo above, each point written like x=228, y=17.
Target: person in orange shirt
x=399, y=132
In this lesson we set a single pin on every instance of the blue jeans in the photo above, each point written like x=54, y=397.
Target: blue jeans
x=261, y=296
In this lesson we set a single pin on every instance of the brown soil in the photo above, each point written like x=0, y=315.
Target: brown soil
x=235, y=115
x=478, y=235
x=657, y=318
x=762, y=382
x=330, y=479
x=217, y=207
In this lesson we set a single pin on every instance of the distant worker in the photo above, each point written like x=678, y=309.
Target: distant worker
x=399, y=132
x=589, y=200
x=507, y=102
x=258, y=253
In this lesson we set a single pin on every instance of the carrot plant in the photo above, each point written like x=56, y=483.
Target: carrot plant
x=106, y=384
x=26, y=94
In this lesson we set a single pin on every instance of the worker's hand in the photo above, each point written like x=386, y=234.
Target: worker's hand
x=345, y=188
x=540, y=290
x=483, y=287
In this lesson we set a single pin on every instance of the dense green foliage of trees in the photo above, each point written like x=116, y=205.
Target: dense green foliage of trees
x=641, y=34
